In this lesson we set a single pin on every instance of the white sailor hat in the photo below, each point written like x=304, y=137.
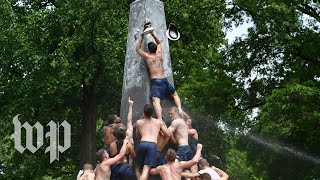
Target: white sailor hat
x=172, y=32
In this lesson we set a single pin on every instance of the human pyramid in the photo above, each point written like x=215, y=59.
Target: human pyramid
x=116, y=159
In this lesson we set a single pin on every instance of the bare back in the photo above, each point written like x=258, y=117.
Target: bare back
x=155, y=65
x=162, y=141
x=87, y=176
x=149, y=129
x=102, y=172
x=108, y=136
x=180, y=130
x=170, y=171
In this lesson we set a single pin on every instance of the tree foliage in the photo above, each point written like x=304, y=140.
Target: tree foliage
x=277, y=66
x=60, y=60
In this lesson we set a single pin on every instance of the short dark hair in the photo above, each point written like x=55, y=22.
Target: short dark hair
x=152, y=47
x=119, y=132
x=171, y=155
x=205, y=176
x=148, y=110
x=100, y=155
x=111, y=118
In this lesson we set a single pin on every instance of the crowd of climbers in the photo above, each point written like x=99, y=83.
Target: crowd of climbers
x=115, y=160
x=119, y=159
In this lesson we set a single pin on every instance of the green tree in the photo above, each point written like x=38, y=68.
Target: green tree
x=277, y=66
x=60, y=60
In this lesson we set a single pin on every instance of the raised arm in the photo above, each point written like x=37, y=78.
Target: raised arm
x=172, y=139
x=194, y=160
x=173, y=127
x=158, y=42
x=153, y=171
x=186, y=116
x=119, y=156
x=155, y=38
x=131, y=151
x=143, y=54
x=193, y=133
x=164, y=129
x=129, y=131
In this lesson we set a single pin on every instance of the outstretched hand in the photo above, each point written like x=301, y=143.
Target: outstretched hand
x=125, y=141
x=130, y=102
x=199, y=146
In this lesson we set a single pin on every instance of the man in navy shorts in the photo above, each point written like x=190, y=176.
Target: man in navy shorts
x=147, y=148
x=180, y=129
x=160, y=87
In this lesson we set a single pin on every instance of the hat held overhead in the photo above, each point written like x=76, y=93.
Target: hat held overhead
x=147, y=28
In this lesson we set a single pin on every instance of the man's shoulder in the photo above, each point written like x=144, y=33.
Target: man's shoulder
x=150, y=56
x=105, y=165
x=158, y=121
x=179, y=121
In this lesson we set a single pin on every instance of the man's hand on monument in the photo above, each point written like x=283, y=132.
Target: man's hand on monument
x=130, y=102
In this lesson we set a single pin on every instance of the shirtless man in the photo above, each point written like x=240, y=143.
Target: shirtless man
x=192, y=141
x=122, y=169
x=107, y=131
x=180, y=130
x=103, y=169
x=215, y=173
x=162, y=141
x=87, y=173
x=129, y=131
x=192, y=131
x=172, y=170
x=160, y=86
x=148, y=129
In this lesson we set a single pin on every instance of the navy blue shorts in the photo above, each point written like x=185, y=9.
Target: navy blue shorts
x=160, y=159
x=160, y=87
x=184, y=153
x=147, y=154
x=122, y=171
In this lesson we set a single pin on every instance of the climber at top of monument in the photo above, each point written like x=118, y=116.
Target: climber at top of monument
x=160, y=87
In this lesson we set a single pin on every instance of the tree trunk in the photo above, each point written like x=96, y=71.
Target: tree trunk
x=88, y=131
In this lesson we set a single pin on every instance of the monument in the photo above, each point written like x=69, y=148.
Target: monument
x=136, y=80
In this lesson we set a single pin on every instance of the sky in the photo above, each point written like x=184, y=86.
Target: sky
x=238, y=31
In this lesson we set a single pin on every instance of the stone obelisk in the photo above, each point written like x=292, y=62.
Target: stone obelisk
x=136, y=81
